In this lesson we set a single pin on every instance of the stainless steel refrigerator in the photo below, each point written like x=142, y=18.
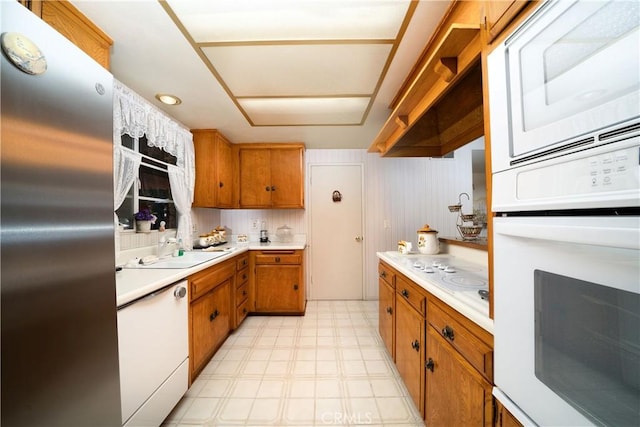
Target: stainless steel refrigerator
x=58, y=298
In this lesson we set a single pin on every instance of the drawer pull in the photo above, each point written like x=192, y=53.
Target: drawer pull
x=415, y=345
x=383, y=274
x=244, y=292
x=405, y=293
x=244, y=277
x=430, y=364
x=213, y=315
x=277, y=259
x=389, y=310
x=447, y=332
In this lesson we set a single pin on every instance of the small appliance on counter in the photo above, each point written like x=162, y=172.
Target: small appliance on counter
x=264, y=234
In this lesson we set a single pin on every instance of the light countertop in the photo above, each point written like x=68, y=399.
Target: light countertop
x=482, y=319
x=133, y=283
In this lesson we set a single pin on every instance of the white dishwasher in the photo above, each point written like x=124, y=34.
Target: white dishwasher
x=154, y=355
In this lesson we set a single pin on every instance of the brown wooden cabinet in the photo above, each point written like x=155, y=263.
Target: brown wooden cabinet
x=76, y=27
x=241, y=295
x=387, y=307
x=209, y=313
x=215, y=170
x=278, y=282
x=499, y=14
x=444, y=359
x=410, y=337
x=459, y=363
x=456, y=394
x=504, y=418
x=271, y=175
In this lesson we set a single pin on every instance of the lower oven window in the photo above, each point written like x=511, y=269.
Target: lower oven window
x=587, y=347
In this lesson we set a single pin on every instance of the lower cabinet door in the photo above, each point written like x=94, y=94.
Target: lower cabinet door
x=210, y=323
x=279, y=288
x=456, y=394
x=385, y=315
x=410, y=350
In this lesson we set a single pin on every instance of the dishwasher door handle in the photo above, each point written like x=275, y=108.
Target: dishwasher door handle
x=180, y=292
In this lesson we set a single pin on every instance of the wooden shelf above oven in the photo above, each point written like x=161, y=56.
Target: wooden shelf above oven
x=439, y=108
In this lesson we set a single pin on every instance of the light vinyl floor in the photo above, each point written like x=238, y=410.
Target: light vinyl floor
x=327, y=368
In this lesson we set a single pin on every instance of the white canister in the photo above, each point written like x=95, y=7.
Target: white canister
x=428, y=240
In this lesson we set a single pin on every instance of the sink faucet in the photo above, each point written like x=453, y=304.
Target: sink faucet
x=166, y=247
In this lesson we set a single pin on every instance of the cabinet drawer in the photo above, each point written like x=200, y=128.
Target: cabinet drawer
x=412, y=293
x=242, y=311
x=242, y=277
x=203, y=281
x=242, y=292
x=242, y=262
x=387, y=274
x=279, y=257
x=451, y=326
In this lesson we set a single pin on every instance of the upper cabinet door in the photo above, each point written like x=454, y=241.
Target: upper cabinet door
x=255, y=178
x=225, y=167
x=287, y=178
x=215, y=166
x=272, y=177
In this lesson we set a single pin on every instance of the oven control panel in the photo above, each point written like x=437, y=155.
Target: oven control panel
x=602, y=177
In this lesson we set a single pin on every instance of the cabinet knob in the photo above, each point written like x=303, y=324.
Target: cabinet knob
x=295, y=287
x=213, y=315
x=415, y=345
x=267, y=188
x=430, y=364
x=244, y=292
x=273, y=188
x=383, y=274
x=389, y=310
x=404, y=293
x=277, y=259
x=447, y=332
x=221, y=184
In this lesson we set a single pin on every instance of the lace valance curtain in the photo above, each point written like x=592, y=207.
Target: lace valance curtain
x=135, y=116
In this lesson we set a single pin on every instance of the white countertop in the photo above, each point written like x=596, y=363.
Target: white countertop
x=482, y=319
x=133, y=283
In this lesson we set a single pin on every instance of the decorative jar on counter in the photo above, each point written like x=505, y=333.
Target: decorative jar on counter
x=428, y=240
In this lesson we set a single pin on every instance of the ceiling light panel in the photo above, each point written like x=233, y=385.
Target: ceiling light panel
x=260, y=20
x=305, y=111
x=295, y=70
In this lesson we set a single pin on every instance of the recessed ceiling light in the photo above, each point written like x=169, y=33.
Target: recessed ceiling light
x=168, y=99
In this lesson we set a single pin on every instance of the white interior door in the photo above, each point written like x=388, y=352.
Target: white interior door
x=337, y=250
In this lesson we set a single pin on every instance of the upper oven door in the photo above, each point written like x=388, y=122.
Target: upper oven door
x=566, y=316
x=570, y=70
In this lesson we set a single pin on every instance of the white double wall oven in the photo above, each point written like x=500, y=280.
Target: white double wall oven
x=565, y=135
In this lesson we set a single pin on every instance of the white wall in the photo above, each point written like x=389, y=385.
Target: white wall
x=407, y=193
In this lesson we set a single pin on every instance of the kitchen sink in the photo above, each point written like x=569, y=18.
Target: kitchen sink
x=189, y=259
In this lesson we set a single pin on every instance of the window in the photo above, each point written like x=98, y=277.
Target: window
x=152, y=189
